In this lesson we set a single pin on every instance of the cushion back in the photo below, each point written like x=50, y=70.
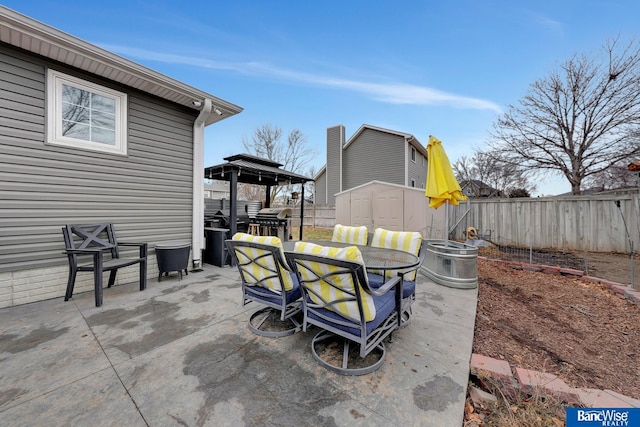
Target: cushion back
x=257, y=266
x=407, y=241
x=350, y=234
x=316, y=275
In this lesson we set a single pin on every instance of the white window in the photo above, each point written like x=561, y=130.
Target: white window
x=413, y=154
x=413, y=182
x=85, y=115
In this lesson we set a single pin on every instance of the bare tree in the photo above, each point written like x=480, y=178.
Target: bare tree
x=294, y=155
x=309, y=186
x=251, y=192
x=614, y=177
x=579, y=120
x=491, y=169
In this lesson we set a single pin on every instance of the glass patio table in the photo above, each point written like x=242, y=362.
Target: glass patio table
x=379, y=259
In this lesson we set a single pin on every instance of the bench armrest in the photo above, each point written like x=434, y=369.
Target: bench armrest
x=143, y=247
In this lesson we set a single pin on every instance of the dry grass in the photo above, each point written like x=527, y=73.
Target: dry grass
x=310, y=233
x=538, y=409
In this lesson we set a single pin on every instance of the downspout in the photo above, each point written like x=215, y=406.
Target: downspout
x=197, y=226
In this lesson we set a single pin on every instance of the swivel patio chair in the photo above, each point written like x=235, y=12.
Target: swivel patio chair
x=267, y=280
x=337, y=298
x=350, y=234
x=90, y=242
x=406, y=241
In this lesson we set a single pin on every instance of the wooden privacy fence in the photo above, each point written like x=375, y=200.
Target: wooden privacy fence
x=318, y=216
x=598, y=222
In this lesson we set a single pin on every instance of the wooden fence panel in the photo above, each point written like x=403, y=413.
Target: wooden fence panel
x=590, y=223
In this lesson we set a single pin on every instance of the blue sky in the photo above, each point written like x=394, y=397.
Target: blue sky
x=422, y=67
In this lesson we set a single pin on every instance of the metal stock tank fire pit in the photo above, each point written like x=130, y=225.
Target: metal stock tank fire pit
x=172, y=256
x=451, y=264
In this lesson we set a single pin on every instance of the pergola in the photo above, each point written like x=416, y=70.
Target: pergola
x=250, y=169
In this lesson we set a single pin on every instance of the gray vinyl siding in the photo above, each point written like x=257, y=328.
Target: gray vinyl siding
x=320, y=190
x=416, y=170
x=147, y=194
x=335, y=142
x=374, y=155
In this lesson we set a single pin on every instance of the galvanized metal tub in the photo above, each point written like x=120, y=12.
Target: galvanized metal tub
x=451, y=264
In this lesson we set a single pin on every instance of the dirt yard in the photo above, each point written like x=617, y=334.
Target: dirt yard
x=577, y=330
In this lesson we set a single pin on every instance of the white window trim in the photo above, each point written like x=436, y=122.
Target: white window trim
x=413, y=154
x=55, y=80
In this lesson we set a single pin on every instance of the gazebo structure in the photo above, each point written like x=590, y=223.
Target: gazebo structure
x=250, y=169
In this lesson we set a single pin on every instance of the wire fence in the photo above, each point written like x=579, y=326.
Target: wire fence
x=615, y=267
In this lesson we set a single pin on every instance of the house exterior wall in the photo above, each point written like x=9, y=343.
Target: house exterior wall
x=146, y=194
x=416, y=170
x=374, y=155
x=320, y=189
x=334, y=168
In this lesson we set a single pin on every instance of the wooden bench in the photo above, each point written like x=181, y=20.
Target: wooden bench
x=89, y=243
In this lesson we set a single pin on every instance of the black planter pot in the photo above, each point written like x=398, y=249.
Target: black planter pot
x=172, y=256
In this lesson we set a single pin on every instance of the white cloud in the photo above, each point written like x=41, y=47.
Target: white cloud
x=392, y=93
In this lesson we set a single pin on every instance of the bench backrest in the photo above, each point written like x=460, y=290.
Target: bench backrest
x=85, y=236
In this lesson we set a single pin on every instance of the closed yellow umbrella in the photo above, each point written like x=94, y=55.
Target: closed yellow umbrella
x=442, y=185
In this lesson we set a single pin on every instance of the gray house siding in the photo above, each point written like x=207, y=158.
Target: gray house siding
x=416, y=170
x=381, y=152
x=320, y=189
x=335, y=143
x=147, y=194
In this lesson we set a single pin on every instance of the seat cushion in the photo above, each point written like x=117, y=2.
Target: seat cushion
x=384, y=306
x=260, y=269
x=407, y=241
x=350, y=234
x=408, y=286
x=325, y=293
x=276, y=298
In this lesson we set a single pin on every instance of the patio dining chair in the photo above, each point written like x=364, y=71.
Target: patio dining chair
x=267, y=280
x=406, y=241
x=91, y=242
x=350, y=234
x=337, y=298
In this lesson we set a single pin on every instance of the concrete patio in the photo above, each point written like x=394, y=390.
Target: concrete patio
x=180, y=353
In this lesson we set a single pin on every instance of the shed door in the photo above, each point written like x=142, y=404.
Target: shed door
x=388, y=209
x=361, y=208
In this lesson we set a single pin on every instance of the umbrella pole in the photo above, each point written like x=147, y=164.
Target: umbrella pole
x=446, y=223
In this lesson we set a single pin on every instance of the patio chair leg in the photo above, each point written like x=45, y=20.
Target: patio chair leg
x=97, y=277
x=319, y=352
x=70, y=283
x=143, y=275
x=112, y=278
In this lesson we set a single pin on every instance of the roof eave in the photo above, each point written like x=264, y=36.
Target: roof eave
x=36, y=37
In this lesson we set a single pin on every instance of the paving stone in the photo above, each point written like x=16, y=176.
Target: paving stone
x=489, y=366
x=481, y=396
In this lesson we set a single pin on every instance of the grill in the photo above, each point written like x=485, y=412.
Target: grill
x=222, y=219
x=276, y=222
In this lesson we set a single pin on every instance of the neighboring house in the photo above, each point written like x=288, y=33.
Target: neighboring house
x=216, y=189
x=137, y=163
x=475, y=188
x=371, y=154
